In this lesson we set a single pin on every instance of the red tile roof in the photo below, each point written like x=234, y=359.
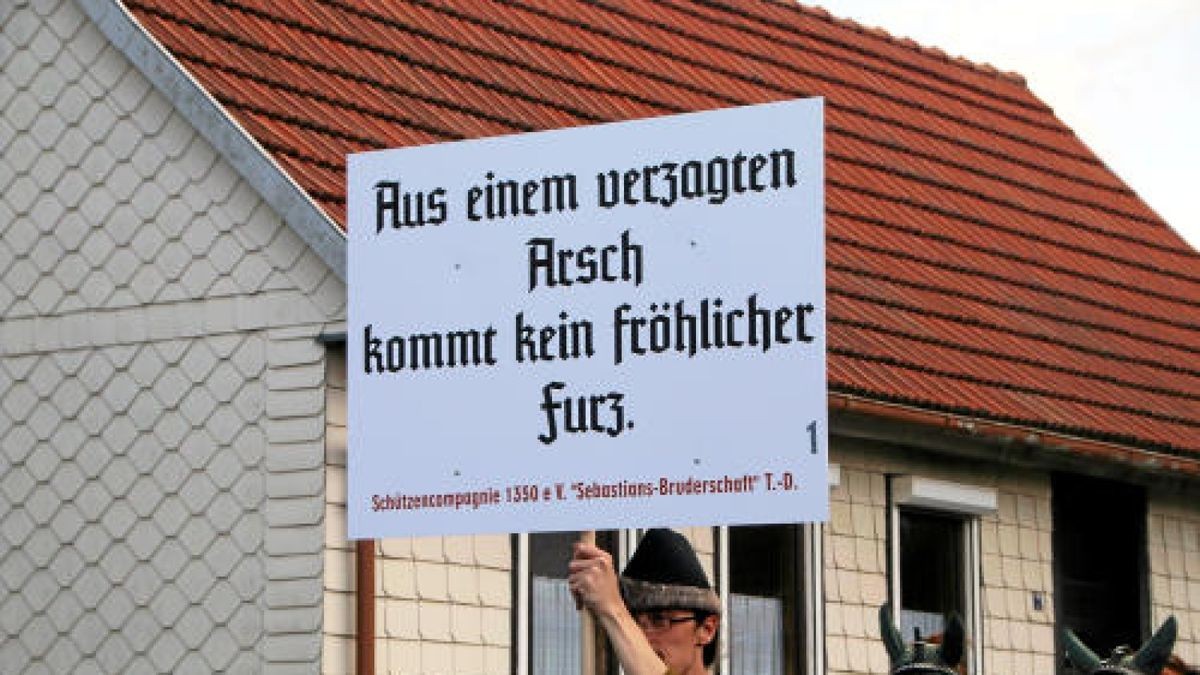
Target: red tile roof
x=981, y=260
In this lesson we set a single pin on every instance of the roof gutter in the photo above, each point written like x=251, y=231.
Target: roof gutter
x=961, y=434
x=231, y=140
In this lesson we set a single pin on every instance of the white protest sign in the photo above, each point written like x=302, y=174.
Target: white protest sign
x=609, y=326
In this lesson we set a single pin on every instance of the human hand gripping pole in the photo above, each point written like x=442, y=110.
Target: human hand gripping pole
x=593, y=582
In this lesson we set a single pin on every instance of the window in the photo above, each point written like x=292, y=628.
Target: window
x=1099, y=542
x=932, y=564
x=935, y=557
x=764, y=619
x=767, y=576
x=549, y=632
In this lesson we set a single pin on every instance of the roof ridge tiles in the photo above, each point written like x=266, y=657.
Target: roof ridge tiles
x=1135, y=216
x=904, y=41
x=975, y=322
x=1048, y=169
x=958, y=140
x=1083, y=157
x=466, y=111
x=656, y=103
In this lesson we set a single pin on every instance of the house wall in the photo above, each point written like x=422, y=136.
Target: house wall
x=855, y=565
x=429, y=590
x=1173, y=535
x=1016, y=555
x=171, y=496
x=161, y=392
x=1017, y=563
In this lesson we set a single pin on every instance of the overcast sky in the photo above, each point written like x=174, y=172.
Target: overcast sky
x=1124, y=74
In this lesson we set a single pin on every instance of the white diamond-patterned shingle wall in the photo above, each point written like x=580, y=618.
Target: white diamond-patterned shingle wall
x=161, y=392
x=132, y=538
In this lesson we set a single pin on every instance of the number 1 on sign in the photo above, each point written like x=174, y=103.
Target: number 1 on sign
x=812, y=435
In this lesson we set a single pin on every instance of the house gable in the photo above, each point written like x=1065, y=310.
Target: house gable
x=161, y=388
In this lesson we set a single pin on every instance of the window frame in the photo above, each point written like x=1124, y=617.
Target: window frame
x=522, y=622
x=811, y=536
x=1065, y=488
x=812, y=585
x=958, y=500
x=811, y=581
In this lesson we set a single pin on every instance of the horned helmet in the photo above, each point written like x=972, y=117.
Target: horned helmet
x=924, y=658
x=1149, y=660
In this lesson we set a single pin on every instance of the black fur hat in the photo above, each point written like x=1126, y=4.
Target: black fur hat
x=664, y=573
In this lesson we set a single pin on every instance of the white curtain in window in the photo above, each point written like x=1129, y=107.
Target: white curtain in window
x=756, y=637
x=555, y=627
x=929, y=623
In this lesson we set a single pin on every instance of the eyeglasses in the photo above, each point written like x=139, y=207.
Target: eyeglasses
x=658, y=621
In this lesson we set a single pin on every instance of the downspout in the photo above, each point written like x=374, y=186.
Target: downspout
x=364, y=607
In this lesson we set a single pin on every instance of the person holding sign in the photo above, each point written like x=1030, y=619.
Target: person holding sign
x=661, y=616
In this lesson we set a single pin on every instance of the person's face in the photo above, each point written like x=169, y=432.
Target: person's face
x=678, y=637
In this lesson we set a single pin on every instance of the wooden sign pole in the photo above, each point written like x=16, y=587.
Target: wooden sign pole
x=587, y=627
